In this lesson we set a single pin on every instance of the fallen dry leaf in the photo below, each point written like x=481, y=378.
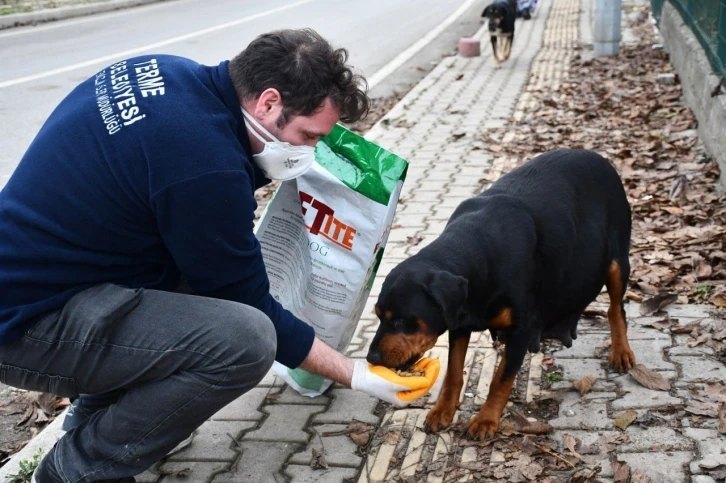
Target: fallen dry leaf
x=593, y=448
x=719, y=300
x=525, y=426
x=519, y=418
x=624, y=419
x=701, y=339
x=392, y=437
x=40, y=408
x=679, y=188
x=660, y=324
x=360, y=433
x=716, y=390
x=649, y=378
x=585, y=384
x=530, y=470
x=686, y=329
x=47, y=402
x=570, y=444
x=654, y=304
x=595, y=313
x=640, y=477
x=587, y=475
x=703, y=270
x=717, y=472
x=703, y=409
x=616, y=439
x=317, y=462
x=722, y=418
x=621, y=472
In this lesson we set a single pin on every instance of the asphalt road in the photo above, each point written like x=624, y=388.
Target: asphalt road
x=40, y=65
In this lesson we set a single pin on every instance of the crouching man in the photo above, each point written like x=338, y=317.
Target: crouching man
x=142, y=177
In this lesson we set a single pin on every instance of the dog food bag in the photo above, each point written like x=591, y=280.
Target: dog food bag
x=323, y=235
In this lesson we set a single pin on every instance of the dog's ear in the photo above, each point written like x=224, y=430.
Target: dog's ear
x=450, y=292
x=487, y=11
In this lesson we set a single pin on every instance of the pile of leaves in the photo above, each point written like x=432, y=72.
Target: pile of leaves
x=23, y=416
x=617, y=107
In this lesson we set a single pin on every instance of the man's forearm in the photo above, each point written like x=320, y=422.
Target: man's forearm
x=328, y=362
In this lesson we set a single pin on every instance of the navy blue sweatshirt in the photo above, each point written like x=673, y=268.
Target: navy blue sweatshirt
x=141, y=174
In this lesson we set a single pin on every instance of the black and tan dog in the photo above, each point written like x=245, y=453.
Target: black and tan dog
x=523, y=260
x=501, y=15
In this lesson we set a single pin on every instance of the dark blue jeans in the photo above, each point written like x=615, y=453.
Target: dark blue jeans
x=177, y=359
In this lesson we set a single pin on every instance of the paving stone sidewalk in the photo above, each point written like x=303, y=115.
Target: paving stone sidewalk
x=668, y=448
x=268, y=435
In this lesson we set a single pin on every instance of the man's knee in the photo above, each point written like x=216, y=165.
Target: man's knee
x=264, y=342
x=253, y=346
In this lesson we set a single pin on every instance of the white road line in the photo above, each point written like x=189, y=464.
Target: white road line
x=131, y=52
x=85, y=19
x=404, y=56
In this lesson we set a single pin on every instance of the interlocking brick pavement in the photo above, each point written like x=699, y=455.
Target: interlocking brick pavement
x=268, y=434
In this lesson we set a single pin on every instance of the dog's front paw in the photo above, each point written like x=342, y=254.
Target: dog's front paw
x=439, y=418
x=621, y=358
x=482, y=426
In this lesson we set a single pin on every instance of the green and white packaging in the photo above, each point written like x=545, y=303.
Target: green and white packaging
x=323, y=235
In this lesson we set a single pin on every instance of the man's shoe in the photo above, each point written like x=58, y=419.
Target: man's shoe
x=87, y=404
x=46, y=473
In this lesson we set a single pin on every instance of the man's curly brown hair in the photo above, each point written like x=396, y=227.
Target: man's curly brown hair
x=305, y=69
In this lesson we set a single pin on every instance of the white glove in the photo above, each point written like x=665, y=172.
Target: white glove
x=385, y=384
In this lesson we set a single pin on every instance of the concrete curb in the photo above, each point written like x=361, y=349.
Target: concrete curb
x=698, y=80
x=62, y=13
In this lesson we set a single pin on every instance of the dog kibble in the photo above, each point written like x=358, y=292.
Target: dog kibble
x=409, y=373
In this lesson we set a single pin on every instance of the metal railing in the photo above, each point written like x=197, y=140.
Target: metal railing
x=707, y=20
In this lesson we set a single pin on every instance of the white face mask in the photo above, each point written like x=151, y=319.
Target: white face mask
x=279, y=160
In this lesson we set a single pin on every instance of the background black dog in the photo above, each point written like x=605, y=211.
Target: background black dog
x=502, y=15
x=522, y=259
